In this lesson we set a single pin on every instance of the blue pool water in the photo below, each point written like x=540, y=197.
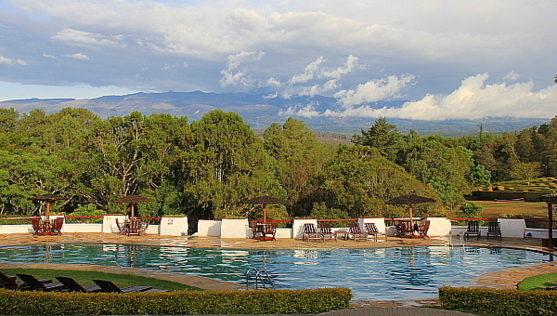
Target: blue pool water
x=394, y=273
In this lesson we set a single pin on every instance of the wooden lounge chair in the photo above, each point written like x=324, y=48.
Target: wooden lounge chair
x=310, y=233
x=356, y=233
x=38, y=226
x=493, y=230
x=326, y=232
x=423, y=228
x=71, y=285
x=371, y=230
x=472, y=230
x=269, y=231
x=135, y=227
x=110, y=287
x=10, y=282
x=36, y=284
x=56, y=228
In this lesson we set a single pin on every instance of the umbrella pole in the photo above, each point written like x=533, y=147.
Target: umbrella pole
x=264, y=213
x=550, y=229
x=47, y=211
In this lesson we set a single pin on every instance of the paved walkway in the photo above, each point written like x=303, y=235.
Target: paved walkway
x=504, y=279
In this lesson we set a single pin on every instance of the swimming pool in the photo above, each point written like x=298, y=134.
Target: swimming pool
x=394, y=273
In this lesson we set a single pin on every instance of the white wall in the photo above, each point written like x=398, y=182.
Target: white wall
x=109, y=223
x=439, y=226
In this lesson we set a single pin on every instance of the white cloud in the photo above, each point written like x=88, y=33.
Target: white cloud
x=307, y=110
x=350, y=65
x=79, y=56
x=308, y=71
x=234, y=61
x=512, y=76
x=49, y=56
x=70, y=36
x=374, y=90
x=472, y=100
x=9, y=61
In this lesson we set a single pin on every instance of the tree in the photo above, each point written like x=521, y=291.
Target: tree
x=360, y=180
x=383, y=136
x=226, y=163
x=300, y=160
x=526, y=171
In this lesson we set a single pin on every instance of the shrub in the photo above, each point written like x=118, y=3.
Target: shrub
x=175, y=303
x=499, y=302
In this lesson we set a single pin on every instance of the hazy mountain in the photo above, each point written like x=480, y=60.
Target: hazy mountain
x=260, y=111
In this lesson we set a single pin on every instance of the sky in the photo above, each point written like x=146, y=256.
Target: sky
x=449, y=59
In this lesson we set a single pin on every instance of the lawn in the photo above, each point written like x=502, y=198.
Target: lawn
x=86, y=278
x=538, y=282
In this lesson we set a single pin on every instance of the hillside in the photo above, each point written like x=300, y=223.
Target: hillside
x=260, y=111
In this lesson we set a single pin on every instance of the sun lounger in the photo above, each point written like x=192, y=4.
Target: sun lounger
x=36, y=284
x=10, y=282
x=356, y=233
x=110, y=287
x=310, y=233
x=326, y=232
x=372, y=230
x=72, y=286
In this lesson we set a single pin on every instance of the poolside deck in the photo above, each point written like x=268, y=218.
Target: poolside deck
x=503, y=279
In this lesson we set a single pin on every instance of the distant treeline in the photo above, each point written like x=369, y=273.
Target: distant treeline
x=204, y=168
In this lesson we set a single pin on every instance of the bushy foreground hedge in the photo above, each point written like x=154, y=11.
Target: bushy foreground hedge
x=499, y=302
x=176, y=303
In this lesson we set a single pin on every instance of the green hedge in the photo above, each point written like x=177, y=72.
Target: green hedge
x=176, y=303
x=509, y=195
x=499, y=302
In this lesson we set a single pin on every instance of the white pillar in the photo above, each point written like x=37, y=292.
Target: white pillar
x=174, y=226
x=439, y=226
x=234, y=228
x=512, y=227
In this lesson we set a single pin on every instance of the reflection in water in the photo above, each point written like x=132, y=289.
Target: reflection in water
x=372, y=273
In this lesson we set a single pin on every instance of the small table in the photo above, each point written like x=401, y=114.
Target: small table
x=342, y=234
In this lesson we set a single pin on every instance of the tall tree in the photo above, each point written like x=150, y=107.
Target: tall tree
x=383, y=136
x=227, y=162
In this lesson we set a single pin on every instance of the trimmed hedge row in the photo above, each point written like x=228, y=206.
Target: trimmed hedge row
x=499, y=302
x=175, y=303
x=509, y=195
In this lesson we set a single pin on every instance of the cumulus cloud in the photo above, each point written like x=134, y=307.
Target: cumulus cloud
x=232, y=77
x=9, y=61
x=472, y=100
x=374, y=90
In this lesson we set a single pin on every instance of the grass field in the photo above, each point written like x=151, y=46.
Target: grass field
x=538, y=282
x=494, y=209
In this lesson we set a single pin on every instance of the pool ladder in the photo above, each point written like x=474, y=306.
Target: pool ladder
x=261, y=278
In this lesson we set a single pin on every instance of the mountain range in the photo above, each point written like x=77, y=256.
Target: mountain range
x=260, y=111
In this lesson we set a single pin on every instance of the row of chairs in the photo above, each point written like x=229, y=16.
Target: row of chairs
x=473, y=229
x=31, y=283
x=324, y=232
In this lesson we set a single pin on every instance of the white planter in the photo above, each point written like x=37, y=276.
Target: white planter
x=234, y=228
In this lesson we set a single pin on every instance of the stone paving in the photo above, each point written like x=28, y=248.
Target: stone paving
x=504, y=279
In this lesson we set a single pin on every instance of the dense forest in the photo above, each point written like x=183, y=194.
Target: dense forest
x=204, y=168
